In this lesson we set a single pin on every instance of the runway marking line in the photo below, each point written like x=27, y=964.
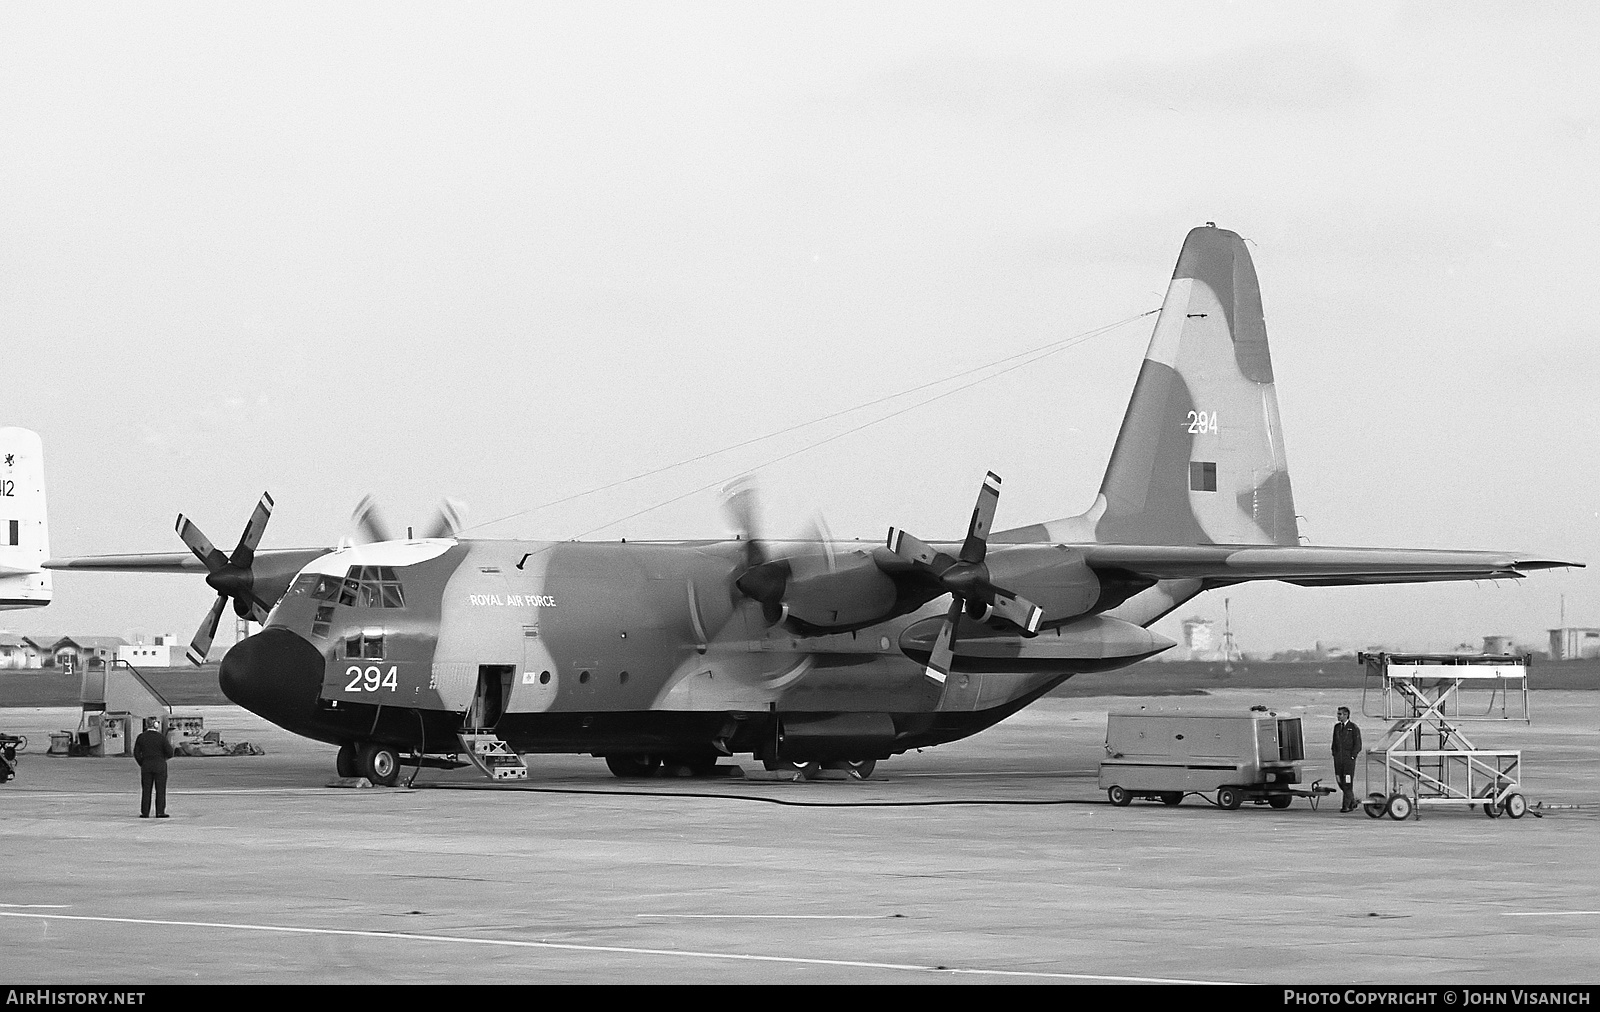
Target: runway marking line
x=1552, y=913
x=774, y=917
x=620, y=949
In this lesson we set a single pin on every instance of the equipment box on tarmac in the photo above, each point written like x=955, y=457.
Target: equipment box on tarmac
x=1253, y=756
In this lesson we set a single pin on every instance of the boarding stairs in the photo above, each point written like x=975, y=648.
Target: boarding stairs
x=493, y=757
x=1424, y=758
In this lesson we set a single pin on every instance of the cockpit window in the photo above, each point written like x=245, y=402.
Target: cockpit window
x=318, y=585
x=373, y=587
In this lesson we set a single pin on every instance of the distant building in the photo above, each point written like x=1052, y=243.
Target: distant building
x=155, y=654
x=1200, y=639
x=18, y=652
x=78, y=652
x=1499, y=645
x=1573, y=643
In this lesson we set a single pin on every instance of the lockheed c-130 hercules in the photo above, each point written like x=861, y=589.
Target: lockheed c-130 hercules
x=800, y=653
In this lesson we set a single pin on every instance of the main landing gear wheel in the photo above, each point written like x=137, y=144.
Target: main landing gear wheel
x=1399, y=807
x=1281, y=800
x=1374, y=805
x=1229, y=798
x=1516, y=806
x=379, y=763
x=632, y=767
x=1172, y=798
x=807, y=770
x=1119, y=796
x=861, y=769
x=345, y=762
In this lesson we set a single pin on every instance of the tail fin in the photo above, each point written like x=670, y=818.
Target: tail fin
x=1200, y=457
x=24, y=529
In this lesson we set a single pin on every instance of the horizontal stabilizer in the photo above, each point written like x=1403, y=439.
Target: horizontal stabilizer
x=1312, y=565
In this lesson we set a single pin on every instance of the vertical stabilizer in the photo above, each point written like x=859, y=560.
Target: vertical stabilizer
x=24, y=530
x=1200, y=457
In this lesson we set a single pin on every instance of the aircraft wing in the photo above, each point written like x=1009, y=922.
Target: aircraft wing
x=1312, y=566
x=280, y=560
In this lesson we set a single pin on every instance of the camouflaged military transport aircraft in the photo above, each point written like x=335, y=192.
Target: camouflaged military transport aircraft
x=803, y=654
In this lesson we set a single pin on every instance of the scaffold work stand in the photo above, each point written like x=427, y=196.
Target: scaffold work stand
x=1424, y=758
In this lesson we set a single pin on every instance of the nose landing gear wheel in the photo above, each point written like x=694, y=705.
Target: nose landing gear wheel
x=1172, y=798
x=379, y=763
x=345, y=762
x=1280, y=800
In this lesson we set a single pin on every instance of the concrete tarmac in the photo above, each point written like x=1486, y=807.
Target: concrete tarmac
x=995, y=859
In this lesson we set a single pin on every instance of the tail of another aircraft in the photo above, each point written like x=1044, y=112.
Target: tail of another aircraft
x=1200, y=457
x=24, y=529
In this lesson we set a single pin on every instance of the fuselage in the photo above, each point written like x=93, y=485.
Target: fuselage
x=620, y=647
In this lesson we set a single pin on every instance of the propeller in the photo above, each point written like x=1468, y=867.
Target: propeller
x=766, y=579
x=966, y=579
x=230, y=576
x=369, y=520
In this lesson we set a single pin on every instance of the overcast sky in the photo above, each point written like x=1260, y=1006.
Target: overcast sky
x=507, y=253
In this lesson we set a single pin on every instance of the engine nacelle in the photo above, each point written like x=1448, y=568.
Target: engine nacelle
x=1057, y=579
x=853, y=594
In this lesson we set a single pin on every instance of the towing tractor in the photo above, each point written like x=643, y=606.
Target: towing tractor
x=1237, y=757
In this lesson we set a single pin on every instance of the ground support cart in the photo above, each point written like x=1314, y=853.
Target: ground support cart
x=1424, y=758
x=1253, y=756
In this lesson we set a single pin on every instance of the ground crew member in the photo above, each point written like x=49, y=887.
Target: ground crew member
x=151, y=750
x=1346, y=746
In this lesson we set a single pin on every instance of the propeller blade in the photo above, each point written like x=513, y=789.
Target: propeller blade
x=200, y=545
x=944, y=646
x=447, y=521
x=977, y=544
x=246, y=552
x=368, y=519
x=201, y=645
x=739, y=503
x=911, y=548
x=1018, y=611
x=824, y=539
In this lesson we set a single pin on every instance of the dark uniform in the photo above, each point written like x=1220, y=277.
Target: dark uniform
x=152, y=750
x=1346, y=746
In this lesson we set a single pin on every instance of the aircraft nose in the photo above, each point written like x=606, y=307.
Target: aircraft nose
x=274, y=674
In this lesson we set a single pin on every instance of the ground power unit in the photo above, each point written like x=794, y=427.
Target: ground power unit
x=1253, y=756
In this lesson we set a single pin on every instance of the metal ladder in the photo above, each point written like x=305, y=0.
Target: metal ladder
x=493, y=757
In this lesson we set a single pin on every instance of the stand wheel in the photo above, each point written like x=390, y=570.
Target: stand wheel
x=1516, y=806
x=345, y=762
x=1119, y=796
x=1399, y=807
x=1374, y=805
x=379, y=763
x=1229, y=798
x=1172, y=798
x=1281, y=800
x=1491, y=810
